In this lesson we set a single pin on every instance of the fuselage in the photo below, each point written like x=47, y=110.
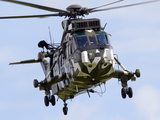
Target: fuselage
x=86, y=59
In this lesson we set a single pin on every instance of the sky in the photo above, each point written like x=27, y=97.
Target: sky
x=135, y=38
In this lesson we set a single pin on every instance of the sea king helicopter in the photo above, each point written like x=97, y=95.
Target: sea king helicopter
x=83, y=60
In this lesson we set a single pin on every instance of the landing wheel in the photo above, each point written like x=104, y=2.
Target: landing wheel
x=65, y=110
x=35, y=83
x=130, y=92
x=123, y=93
x=46, y=101
x=52, y=100
x=137, y=73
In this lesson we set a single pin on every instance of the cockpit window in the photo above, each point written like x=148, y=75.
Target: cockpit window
x=102, y=39
x=82, y=41
x=92, y=40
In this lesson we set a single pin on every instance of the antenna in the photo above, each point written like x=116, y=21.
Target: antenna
x=52, y=44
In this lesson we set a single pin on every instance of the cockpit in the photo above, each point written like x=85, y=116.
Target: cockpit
x=90, y=37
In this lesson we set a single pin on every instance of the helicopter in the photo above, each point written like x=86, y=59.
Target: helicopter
x=83, y=60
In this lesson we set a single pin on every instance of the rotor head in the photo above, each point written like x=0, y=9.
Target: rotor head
x=74, y=7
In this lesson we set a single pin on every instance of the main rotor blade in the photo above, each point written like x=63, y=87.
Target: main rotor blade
x=37, y=6
x=29, y=16
x=123, y=6
x=26, y=61
x=105, y=5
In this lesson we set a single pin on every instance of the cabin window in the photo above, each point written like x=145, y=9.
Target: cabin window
x=102, y=39
x=82, y=41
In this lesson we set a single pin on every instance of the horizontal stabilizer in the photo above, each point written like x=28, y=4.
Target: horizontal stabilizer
x=26, y=61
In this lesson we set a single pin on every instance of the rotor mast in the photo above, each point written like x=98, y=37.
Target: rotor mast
x=73, y=10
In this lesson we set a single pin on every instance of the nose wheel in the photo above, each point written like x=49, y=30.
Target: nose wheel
x=65, y=108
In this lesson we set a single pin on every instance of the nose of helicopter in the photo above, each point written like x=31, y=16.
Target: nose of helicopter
x=98, y=62
x=92, y=57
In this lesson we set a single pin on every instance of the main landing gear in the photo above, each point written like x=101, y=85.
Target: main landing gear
x=126, y=91
x=50, y=99
x=124, y=77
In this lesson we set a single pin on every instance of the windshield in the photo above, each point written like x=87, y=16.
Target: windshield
x=102, y=40
x=82, y=41
x=95, y=39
